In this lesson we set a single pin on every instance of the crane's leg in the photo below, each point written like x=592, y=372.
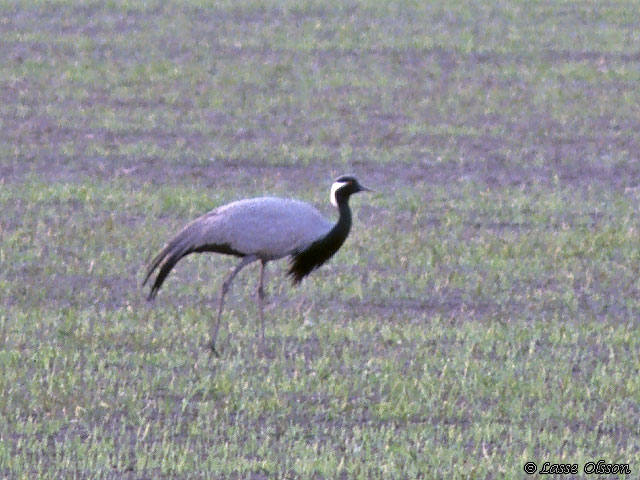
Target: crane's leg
x=225, y=288
x=261, y=296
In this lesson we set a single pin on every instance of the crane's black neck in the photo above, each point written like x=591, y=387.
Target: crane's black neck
x=338, y=234
x=307, y=260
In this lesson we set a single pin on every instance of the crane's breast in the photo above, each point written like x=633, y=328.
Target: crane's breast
x=268, y=227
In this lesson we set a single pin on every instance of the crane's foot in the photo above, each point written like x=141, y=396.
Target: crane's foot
x=212, y=349
x=262, y=295
x=265, y=352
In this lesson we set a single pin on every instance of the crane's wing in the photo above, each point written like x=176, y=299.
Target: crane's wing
x=267, y=227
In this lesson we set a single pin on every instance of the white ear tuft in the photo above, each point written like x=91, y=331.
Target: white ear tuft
x=334, y=188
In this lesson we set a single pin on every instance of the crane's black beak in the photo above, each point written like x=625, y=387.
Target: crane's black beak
x=362, y=188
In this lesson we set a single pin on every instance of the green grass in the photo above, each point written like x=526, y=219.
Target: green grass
x=483, y=312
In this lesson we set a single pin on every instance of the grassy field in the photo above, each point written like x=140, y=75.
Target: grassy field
x=483, y=313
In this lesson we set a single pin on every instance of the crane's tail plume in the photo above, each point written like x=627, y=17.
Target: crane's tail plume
x=190, y=240
x=166, y=260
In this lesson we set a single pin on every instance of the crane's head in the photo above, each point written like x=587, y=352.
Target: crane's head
x=343, y=187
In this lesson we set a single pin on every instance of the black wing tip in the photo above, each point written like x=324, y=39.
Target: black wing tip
x=300, y=268
x=296, y=277
x=153, y=293
x=155, y=263
x=154, y=288
x=150, y=295
x=146, y=279
x=164, y=262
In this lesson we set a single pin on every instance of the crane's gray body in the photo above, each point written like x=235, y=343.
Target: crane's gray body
x=267, y=227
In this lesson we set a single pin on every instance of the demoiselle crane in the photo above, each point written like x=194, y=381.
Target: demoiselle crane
x=265, y=229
